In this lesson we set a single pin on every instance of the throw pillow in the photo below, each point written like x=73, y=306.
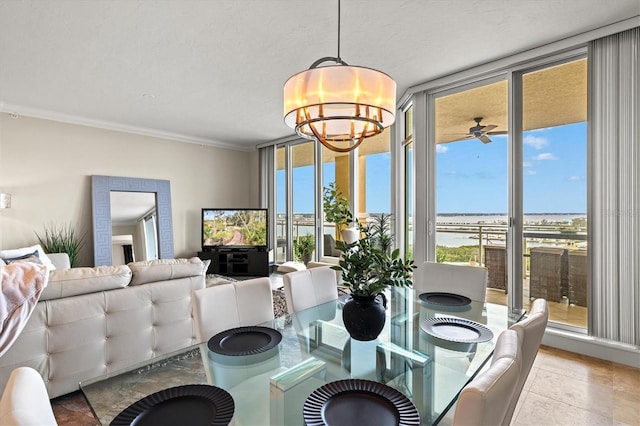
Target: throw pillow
x=14, y=253
x=26, y=258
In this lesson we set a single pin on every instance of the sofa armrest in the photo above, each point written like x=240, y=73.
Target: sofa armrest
x=59, y=260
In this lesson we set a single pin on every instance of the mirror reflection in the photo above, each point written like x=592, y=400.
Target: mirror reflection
x=134, y=228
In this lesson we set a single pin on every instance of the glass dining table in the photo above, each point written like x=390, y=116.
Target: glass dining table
x=270, y=387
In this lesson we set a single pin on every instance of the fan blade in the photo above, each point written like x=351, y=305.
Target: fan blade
x=484, y=139
x=499, y=132
x=485, y=129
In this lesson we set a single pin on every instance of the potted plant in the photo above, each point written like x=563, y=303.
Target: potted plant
x=336, y=210
x=304, y=247
x=62, y=239
x=369, y=266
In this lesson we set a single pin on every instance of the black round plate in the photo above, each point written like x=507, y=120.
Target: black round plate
x=444, y=299
x=244, y=341
x=180, y=405
x=456, y=330
x=355, y=401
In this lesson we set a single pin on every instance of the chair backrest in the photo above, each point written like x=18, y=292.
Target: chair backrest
x=485, y=400
x=530, y=332
x=310, y=287
x=470, y=281
x=237, y=304
x=25, y=400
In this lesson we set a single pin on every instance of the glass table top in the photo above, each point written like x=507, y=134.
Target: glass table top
x=270, y=388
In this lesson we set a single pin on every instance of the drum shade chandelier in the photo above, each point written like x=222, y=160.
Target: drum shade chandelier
x=339, y=103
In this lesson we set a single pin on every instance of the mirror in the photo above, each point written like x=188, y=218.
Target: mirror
x=133, y=227
x=102, y=189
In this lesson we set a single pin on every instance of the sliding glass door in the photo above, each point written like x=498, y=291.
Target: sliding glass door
x=508, y=157
x=554, y=176
x=471, y=180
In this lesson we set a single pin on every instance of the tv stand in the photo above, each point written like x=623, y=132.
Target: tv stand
x=231, y=262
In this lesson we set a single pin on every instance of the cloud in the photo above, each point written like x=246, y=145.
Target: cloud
x=441, y=149
x=531, y=172
x=535, y=142
x=575, y=178
x=545, y=156
x=527, y=164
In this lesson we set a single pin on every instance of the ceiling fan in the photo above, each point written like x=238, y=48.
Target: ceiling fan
x=480, y=132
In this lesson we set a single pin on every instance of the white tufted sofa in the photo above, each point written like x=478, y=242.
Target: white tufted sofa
x=90, y=322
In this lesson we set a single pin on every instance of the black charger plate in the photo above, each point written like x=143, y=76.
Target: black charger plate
x=355, y=401
x=445, y=299
x=244, y=341
x=180, y=405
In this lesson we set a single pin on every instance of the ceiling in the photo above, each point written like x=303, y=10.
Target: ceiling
x=212, y=72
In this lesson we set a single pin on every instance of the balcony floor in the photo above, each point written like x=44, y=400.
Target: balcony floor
x=560, y=312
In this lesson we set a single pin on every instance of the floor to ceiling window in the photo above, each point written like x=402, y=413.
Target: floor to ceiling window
x=374, y=177
x=336, y=168
x=554, y=151
x=303, y=197
x=408, y=182
x=281, y=205
x=471, y=174
x=481, y=181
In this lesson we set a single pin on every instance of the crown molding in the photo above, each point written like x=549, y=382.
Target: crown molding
x=17, y=110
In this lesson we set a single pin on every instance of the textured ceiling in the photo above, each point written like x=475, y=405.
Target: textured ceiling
x=212, y=72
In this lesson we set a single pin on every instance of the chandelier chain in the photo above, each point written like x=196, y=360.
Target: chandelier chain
x=339, y=60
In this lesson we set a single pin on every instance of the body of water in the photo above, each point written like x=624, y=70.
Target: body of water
x=450, y=239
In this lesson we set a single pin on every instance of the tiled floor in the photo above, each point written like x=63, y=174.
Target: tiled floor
x=563, y=389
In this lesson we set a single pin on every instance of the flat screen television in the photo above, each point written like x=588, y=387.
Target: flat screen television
x=234, y=228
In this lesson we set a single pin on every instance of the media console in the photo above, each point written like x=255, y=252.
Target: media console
x=237, y=262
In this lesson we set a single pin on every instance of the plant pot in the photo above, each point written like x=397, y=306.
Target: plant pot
x=364, y=316
x=350, y=235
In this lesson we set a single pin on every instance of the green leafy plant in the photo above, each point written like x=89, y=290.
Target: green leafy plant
x=336, y=206
x=369, y=265
x=303, y=247
x=62, y=239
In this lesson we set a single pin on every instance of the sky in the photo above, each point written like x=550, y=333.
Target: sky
x=471, y=177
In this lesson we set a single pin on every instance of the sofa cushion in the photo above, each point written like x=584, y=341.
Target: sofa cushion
x=150, y=271
x=75, y=281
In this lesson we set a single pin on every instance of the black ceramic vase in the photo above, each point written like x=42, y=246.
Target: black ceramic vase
x=364, y=316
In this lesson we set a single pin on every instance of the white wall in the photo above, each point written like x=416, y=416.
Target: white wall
x=47, y=167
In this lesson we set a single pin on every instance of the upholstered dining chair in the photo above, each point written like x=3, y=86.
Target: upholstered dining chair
x=485, y=400
x=530, y=332
x=469, y=281
x=25, y=400
x=236, y=304
x=226, y=306
x=310, y=287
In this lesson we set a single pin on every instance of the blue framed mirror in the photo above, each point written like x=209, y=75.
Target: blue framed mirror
x=101, y=188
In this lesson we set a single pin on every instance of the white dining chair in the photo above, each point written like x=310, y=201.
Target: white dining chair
x=469, y=281
x=226, y=306
x=25, y=400
x=530, y=332
x=310, y=287
x=485, y=400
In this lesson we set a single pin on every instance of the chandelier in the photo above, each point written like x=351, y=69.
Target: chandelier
x=340, y=102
